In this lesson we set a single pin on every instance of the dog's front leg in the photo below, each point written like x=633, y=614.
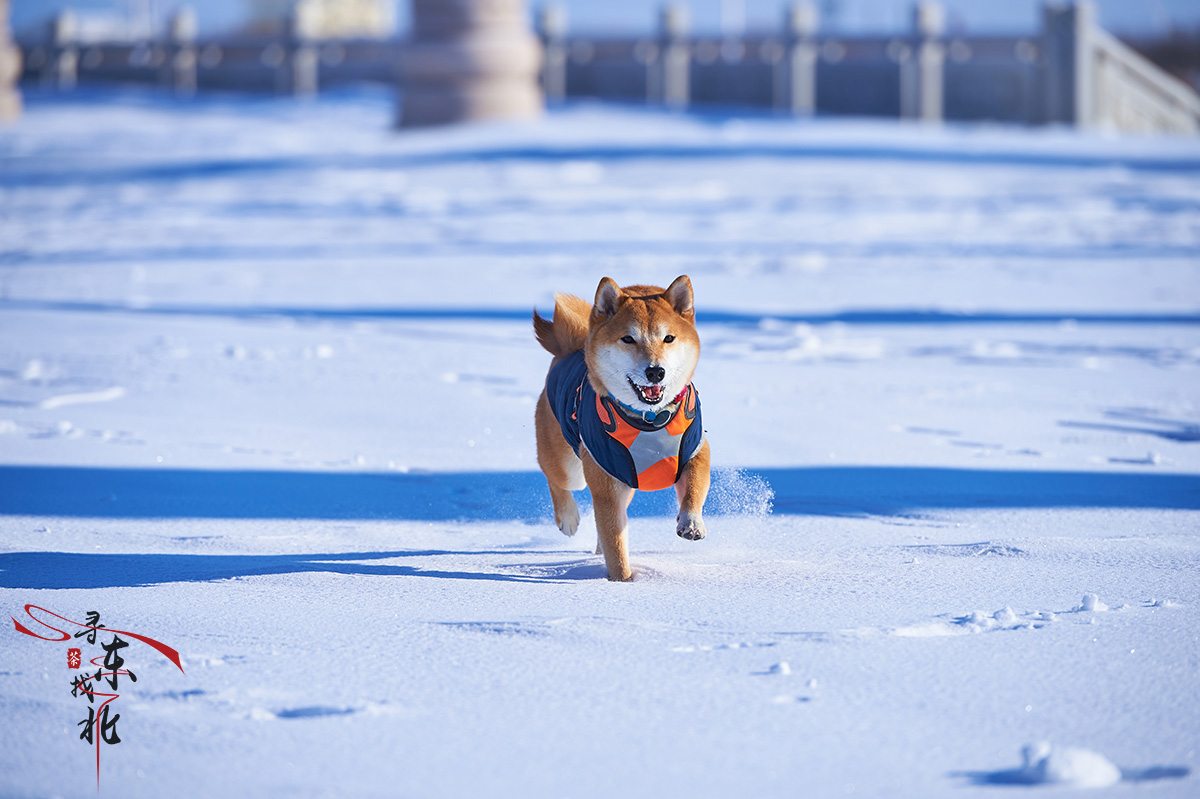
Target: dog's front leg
x=610, y=503
x=560, y=466
x=692, y=489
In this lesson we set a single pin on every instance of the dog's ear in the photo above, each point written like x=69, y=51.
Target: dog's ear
x=679, y=294
x=608, y=296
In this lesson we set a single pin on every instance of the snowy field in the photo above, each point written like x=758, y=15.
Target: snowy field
x=267, y=382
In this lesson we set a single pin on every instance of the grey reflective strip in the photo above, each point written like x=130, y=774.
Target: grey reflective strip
x=652, y=446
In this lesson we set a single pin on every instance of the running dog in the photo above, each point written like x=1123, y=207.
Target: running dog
x=619, y=412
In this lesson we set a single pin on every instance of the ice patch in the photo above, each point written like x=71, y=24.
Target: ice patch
x=107, y=395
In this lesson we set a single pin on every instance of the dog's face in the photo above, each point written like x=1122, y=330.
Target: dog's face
x=642, y=345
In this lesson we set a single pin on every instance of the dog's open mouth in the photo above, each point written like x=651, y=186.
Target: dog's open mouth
x=651, y=395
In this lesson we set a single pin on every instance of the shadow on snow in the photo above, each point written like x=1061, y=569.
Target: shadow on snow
x=1020, y=777
x=103, y=570
x=19, y=175
x=522, y=496
x=866, y=316
x=499, y=496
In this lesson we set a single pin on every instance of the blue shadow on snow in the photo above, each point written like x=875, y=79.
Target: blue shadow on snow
x=866, y=316
x=21, y=175
x=62, y=570
x=1020, y=777
x=522, y=496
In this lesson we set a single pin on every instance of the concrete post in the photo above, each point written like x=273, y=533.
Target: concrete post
x=674, y=61
x=61, y=70
x=469, y=60
x=297, y=75
x=1070, y=76
x=796, y=72
x=10, y=70
x=552, y=24
x=930, y=23
x=179, y=69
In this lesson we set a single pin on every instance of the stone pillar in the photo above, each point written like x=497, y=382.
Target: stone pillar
x=298, y=73
x=61, y=70
x=179, y=69
x=929, y=20
x=469, y=60
x=10, y=70
x=552, y=25
x=796, y=72
x=674, y=58
x=1069, y=83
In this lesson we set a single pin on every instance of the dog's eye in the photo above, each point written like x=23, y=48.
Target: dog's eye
x=668, y=339
x=628, y=340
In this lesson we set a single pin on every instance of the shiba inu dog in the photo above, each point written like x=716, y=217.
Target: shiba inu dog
x=619, y=412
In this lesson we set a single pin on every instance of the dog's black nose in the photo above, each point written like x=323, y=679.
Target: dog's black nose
x=655, y=374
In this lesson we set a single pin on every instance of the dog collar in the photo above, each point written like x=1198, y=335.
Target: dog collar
x=652, y=418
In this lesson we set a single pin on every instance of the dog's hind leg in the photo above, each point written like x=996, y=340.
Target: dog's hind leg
x=560, y=465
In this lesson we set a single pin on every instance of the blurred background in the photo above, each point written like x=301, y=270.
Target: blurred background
x=1147, y=19
x=1132, y=66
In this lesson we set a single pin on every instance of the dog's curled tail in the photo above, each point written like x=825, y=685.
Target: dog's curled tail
x=567, y=333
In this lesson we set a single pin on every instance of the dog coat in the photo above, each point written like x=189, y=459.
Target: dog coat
x=646, y=452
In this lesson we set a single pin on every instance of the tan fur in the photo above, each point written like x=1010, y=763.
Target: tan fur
x=568, y=332
x=648, y=314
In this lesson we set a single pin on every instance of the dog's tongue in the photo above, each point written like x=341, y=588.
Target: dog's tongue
x=652, y=392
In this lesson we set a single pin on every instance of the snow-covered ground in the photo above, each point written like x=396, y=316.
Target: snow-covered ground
x=266, y=393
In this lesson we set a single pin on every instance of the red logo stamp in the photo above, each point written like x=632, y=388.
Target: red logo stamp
x=108, y=674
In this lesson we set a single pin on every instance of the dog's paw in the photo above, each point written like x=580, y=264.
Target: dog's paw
x=568, y=520
x=690, y=527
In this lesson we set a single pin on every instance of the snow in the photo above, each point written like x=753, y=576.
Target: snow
x=1077, y=768
x=266, y=393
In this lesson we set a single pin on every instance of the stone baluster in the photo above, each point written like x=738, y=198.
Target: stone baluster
x=469, y=60
x=298, y=74
x=674, y=58
x=552, y=25
x=61, y=68
x=930, y=23
x=179, y=69
x=1069, y=65
x=921, y=65
x=796, y=72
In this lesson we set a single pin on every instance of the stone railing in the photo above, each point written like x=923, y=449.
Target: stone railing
x=1134, y=95
x=1093, y=80
x=292, y=63
x=1071, y=72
